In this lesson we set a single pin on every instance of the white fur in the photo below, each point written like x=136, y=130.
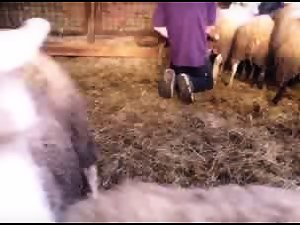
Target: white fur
x=17, y=109
x=292, y=3
x=234, y=67
x=295, y=14
x=216, y=67
x=252, y=7
x=22, y=198
x=228, y=21
x=237, y=13
x=92, y=175
x=19, y=46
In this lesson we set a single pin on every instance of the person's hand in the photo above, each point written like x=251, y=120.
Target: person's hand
x=211, y=34
x=209, y=29
x=162, y=31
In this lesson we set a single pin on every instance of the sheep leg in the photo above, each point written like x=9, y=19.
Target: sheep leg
x=212, y=57
x=280, y=92
x=92, y=176
x=261, y=78
x=252, y=72
x=233, y=72
x=244, y=71
x=253, y=77
x=216, y=67
x=250, y=67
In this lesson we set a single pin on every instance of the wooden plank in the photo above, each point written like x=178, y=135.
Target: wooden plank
x=126, y=33
x=99, y=50
x=76, y=10
x=91, y=23
x=160, y=55
x=104, y=46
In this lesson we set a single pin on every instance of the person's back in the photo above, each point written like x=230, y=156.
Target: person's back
x=186, y=25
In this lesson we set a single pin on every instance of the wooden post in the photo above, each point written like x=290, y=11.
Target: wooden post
x=161, y=52
x=91, y=23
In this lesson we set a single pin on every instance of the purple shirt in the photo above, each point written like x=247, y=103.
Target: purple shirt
x=186, y=23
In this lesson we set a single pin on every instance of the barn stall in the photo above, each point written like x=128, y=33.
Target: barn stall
x=227, y=136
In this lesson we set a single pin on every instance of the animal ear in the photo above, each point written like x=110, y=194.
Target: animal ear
x=19, y=46
x=215, y=37
x=38, y=29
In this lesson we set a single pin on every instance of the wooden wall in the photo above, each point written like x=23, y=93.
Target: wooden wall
x=108, y=29
x=113, y=29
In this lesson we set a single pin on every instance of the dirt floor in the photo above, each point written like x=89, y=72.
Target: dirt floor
x=227, y=136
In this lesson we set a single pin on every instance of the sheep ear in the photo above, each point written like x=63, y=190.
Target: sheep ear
x=19, y=46
x=217, y=37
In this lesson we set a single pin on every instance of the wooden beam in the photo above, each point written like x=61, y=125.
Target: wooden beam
x=160, y=54
x=99, y=50
x=91, y=23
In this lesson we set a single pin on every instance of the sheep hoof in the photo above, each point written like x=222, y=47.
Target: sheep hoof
x=275, y=101
x=252, y=84
x=243, y=77
x=260, y=85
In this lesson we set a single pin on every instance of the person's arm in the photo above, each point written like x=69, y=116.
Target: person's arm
x=159, y=20
x=211, y=15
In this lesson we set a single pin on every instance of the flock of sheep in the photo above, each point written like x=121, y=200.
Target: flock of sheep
x=48, y=155
x=268, y=42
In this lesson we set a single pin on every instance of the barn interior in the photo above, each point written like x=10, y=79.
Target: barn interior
x=227, y=136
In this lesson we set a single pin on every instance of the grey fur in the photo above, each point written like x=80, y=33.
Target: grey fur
x=146, y=202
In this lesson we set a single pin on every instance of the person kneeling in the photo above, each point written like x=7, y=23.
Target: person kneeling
x=187, y=25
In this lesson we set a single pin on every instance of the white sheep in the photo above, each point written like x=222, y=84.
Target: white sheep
x=63, y=144
x=146, y=202
x=227, y=22
x=251, y=6
x=60, y=144
x=284, y=45
x=280, y=17
x=251, y=42
x=52, y=85
x=22, y=194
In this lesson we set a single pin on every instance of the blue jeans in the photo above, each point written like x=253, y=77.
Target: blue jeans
x=201, y=77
